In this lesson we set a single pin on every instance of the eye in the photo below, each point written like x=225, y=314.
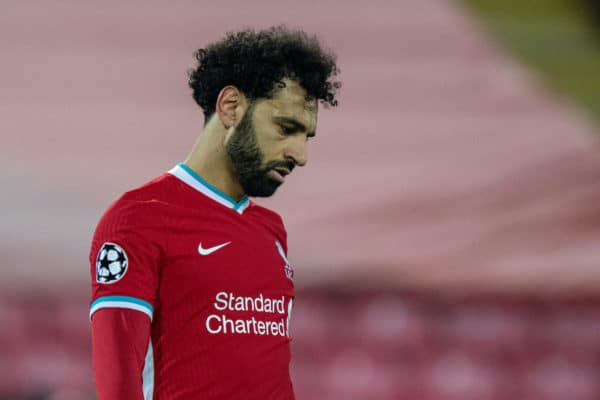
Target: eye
x=286, y=130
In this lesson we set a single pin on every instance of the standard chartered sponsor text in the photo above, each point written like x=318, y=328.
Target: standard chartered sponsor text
x=226, y=324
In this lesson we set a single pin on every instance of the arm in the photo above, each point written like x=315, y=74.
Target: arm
x=120, y=340
x=124, y=262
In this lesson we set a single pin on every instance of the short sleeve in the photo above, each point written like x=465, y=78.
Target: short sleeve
x=125, y=257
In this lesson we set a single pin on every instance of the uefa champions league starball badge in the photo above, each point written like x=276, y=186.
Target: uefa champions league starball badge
x=111, y=263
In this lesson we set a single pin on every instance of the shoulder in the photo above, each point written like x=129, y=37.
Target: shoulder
x=135, y=220
x=143, y=206
x=267, y=214
x=272, y=220
x=160, y=189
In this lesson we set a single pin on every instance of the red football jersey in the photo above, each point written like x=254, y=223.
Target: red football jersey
x=212, y=275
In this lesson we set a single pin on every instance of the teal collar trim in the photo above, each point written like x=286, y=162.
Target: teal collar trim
x=187, y=175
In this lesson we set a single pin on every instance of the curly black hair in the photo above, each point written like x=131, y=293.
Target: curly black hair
x=257, y=62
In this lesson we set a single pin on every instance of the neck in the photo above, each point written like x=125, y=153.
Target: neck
x=209, y=159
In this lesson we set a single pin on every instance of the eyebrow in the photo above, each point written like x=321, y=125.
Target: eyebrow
x=295, y=123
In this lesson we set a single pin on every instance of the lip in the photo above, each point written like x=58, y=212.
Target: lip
x=277, y=175
x=282, y=171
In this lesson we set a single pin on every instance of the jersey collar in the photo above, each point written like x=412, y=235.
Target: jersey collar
x=185, y=174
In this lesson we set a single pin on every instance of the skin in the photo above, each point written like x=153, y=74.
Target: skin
x=282, y=126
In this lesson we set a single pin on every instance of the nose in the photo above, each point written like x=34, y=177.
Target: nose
x=296, y=150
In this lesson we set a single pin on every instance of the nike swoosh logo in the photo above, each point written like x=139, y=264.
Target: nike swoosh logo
x=205, y=252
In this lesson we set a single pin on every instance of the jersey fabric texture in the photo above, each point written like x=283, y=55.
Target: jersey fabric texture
x=212, y=276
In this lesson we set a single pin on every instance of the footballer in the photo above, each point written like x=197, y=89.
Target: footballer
x=192, y=291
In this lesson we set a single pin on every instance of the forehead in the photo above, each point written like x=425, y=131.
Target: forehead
x=290, y=101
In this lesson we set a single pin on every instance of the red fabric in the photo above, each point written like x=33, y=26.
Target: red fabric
x=119, y=345
x=218, y=283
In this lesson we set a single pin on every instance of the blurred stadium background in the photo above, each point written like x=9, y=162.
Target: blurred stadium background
x=445, y=235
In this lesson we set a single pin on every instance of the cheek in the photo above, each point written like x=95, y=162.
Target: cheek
x=271, y=152
x=271, y=143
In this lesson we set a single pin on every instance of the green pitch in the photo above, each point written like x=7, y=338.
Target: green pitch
x=555, y=37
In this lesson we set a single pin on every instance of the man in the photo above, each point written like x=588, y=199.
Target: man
x=191, y=288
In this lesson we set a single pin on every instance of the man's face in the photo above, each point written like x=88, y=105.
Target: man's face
x=270, y=140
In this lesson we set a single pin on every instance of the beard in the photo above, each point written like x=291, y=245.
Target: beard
x=248, y=160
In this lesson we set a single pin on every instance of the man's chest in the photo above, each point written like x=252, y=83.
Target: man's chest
x=209, y=254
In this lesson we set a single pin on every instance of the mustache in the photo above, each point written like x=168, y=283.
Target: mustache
x=288, y=164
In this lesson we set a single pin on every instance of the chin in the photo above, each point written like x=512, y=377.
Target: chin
x=263, y=193
x=264, y=188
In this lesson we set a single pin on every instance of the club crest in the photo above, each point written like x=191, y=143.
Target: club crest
x=287, y=267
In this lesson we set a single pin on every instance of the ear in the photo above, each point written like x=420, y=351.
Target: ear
x=230, y=106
